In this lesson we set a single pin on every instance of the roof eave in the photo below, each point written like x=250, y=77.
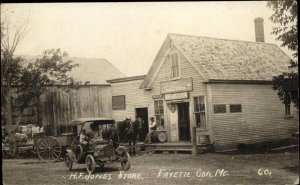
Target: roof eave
x=239, y=81
x=126, y=79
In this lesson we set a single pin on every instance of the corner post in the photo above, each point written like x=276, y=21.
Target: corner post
x=194, y=142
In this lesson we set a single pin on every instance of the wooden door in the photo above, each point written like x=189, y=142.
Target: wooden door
x=184, y=122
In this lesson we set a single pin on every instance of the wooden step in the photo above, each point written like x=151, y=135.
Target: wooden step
x=173, y=149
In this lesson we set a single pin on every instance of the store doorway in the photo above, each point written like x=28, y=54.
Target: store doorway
x=184, y=122
x=143, y=114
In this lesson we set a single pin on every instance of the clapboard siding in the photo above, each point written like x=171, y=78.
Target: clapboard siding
x=134, y=97
x=262, y=117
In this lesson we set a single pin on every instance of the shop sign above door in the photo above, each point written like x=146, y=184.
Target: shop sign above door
x=181, y=85
x=157, y=96
x=177, y=96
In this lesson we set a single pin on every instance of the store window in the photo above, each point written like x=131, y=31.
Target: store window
x=235, y=108
x=199, y=112
x=159, y=113
x=219, y=108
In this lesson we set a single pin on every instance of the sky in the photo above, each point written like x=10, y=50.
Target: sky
x=129, y=35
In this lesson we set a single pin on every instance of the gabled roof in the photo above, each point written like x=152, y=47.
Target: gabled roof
x=222, y=59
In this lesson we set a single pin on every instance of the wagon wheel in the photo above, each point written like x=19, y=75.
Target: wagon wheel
x=90, y=164
x=49, y=149
x=125, y=163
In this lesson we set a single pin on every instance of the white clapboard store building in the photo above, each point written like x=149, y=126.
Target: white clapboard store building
x=222, y=87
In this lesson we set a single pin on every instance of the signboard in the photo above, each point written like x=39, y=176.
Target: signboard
x=160, y=96
x=177, y=96
x=181, y=85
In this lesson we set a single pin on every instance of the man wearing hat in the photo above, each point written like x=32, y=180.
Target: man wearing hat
x=128, y=126
x=153, y=126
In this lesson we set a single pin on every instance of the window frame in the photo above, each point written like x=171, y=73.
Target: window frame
x=119, y=107
x=219, y=104
x=199, y=112
x=241, y=110
x=177, y=66
x=160, y=114
x=287, y=109
x=290, y=110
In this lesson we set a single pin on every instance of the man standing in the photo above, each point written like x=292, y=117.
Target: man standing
x=153, y=126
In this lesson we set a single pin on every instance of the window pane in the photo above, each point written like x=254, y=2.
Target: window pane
x=172, y=72
x=196, y=105
x=158, y=107
x=118, y=102
x=155, y=107
x=161, y=107
x=161, y=110
x=176, y=59
x=160, y=121
x=287, y=109
x=197, y=118
x=220, y=108
x=172, y=60
x=201, y=102
x=174, y=65
x=202, y=120
x=176, y=72
x=235, y=108
x=202, y=107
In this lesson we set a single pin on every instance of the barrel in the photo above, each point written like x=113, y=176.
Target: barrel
x=159, y=136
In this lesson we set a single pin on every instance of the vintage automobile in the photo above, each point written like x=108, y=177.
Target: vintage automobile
x=99, y=150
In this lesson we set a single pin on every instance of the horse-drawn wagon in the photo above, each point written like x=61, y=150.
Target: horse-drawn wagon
x=102, y=150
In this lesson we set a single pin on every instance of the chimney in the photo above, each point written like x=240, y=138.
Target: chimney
x=259, y=29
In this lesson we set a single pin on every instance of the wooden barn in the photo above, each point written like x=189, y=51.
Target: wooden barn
x=222, y=87
x=59, y=105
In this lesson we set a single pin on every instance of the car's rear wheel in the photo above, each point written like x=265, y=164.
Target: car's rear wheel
x=125, y=163
x=69, y=162
x=90, y=164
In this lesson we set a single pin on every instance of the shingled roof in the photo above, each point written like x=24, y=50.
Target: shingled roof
x=222, y=59
x=94, y=70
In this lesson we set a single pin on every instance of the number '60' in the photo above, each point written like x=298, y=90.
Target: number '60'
x=264, y=172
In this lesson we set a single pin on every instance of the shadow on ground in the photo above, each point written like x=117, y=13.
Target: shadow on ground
x=97, y=170
x=294, y=169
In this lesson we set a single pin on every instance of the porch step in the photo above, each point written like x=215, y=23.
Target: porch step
x=177, y=148
x=173, y=150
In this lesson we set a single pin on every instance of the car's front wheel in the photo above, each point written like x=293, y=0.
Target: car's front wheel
x=125, y=163
x=90, y=164
x=69, y=161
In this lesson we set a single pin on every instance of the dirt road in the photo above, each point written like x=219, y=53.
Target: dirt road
x=282, y=168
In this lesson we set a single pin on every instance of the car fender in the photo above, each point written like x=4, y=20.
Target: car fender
x=71, y=153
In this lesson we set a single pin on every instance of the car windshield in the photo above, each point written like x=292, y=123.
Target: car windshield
x=97, y=129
